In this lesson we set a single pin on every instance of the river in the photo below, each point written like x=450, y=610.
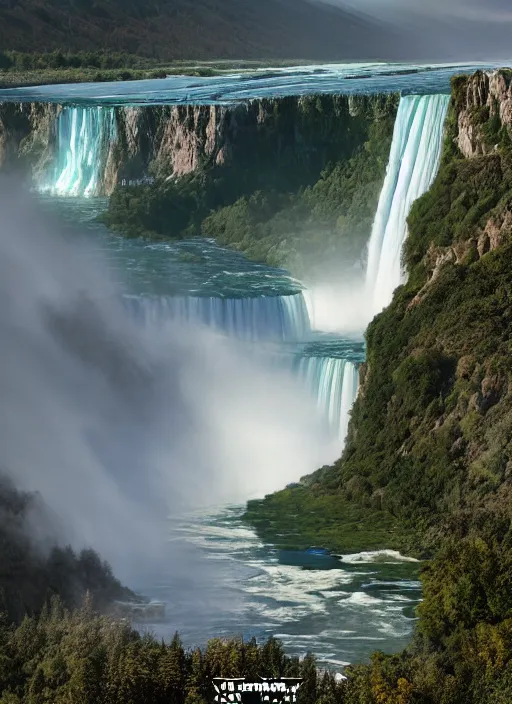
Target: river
x=340, y=615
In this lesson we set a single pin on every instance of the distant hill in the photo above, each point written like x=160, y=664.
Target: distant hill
x=196, y=29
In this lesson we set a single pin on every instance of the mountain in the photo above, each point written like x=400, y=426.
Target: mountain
x=203, y=29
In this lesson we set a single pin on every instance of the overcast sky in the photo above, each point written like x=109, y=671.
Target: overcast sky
x=449, y=29
x=476, y=10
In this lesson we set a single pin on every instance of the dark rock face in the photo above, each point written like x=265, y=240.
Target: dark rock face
x=27, y=136
x=292, y=135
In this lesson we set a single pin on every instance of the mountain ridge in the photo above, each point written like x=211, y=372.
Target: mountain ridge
x=206, y=29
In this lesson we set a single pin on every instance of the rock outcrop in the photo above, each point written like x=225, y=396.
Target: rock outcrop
x=483, y=105
x=487, y=95
x=27, y=136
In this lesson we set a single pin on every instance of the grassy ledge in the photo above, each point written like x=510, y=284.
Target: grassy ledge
x=297, y=518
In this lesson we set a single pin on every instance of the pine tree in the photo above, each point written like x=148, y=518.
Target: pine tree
x=37, y=687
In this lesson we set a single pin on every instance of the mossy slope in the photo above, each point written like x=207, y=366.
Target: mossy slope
x=430, y=439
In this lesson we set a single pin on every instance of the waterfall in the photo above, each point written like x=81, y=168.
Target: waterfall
x=276, y=318
x=412, y=167
x=333, y=382
x=84, y=135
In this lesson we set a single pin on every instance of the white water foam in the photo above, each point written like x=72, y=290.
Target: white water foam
x=382, y=556
x=84, y=135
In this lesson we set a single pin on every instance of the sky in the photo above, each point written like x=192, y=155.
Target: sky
x=457, y=30
x=491, y=11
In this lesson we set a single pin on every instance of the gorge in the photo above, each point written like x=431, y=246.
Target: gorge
x=425, y=465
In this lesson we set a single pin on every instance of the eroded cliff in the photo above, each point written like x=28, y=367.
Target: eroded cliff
x=170, y=142
x=27, y=136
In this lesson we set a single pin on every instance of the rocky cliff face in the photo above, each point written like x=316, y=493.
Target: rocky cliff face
x=439, y=454
x=27, y=136
x=169, y=142
x=480, y=130
x=483, y=97
x=173, y=141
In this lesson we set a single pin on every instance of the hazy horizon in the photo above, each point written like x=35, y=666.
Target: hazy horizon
x=464, y=30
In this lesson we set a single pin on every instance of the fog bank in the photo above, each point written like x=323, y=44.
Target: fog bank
x=119, y=427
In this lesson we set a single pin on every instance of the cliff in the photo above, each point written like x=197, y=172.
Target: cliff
x=282, y=180
x=430, y=437
x=169, y=142
x=27, y=137
x=174, y=141
x=484, y=107
x=268, y=134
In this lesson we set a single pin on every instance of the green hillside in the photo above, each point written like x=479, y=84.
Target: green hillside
x=205, y=29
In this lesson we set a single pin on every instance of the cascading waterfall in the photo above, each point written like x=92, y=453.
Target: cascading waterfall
x=84, y=135
x=277, y=318
x=334, y=383
x=412, y=167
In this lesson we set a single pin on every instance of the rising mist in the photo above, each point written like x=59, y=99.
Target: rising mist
x=117, y=426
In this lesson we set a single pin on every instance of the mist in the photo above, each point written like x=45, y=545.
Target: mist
x=340, y=306
x=120, y=427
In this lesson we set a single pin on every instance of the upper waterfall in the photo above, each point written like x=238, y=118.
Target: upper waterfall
x=412, y=167
x=84, y=135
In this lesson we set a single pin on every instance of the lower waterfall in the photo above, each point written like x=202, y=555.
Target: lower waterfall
x=334, y=383
x=259, y=318
x=412, y=167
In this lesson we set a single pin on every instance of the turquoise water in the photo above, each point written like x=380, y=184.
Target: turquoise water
x=165, y=268
x=341, y=615
x=348, y=79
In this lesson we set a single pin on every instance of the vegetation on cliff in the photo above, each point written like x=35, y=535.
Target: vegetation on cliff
x=300, y=190
x=328, y=221
x=83, y=658
x=430, y=437
x=33, y=569
x=19, y=68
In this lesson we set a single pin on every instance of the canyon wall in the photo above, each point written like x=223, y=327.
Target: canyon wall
x=479, y=142
x=429, y=440
x=169, y=142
